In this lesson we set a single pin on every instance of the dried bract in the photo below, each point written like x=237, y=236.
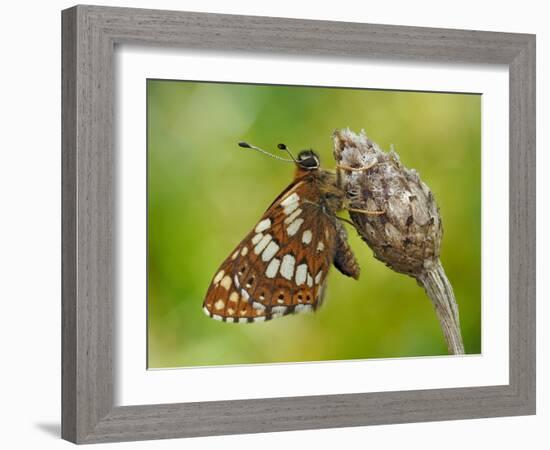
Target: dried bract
x=407, y=236
x=397, y=216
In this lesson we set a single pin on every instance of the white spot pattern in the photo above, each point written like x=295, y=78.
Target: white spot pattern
x=290, y=204
x=303, y=308
x=226, y=282
x=262, y=244
x=272, y=268
x=218, y=276
x=270, y=251
x=263, y=225
x=293, y=216
x=301, y=274
x=278, y=309
x=257, y=238
x=287, y=266
x=307, y=236
x=293, y=228
x=258, y=306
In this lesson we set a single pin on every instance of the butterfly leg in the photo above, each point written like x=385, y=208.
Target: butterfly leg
x=366, y=211
x=356, y=169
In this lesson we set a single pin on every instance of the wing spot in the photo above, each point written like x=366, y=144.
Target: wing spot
x=309, y=280
x=262, y=244
x=290, y=204
x=287, y=267
x=257, y=238
x=320, y=246
x=303, y=308
x=218, y=277
x=301, y=274
x=272, y=268
x=244, y=251
x=234, y=297
x=293, y=216
x=293, y=228
x=216, y=317
x=219, y=304
x=234, y=255
x=230, y=311
x=294, y=197
x=270, y=251
x=263, y=225
x=206, y=311
x=307, y=236
x=278, y=310
x=226, y=282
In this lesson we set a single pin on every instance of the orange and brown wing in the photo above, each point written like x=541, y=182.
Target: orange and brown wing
x=281, y=266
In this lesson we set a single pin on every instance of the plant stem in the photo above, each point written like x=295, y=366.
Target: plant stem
x=434, y=280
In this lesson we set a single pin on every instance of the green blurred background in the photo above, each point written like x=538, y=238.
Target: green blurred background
x=205, y=194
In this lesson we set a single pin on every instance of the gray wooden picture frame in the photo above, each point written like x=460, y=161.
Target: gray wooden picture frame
x=90, y=34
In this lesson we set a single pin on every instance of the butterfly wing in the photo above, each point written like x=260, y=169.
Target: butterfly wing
x=281, y=266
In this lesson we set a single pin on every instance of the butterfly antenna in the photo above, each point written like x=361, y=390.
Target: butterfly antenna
x=253, y=147
x=286, y=149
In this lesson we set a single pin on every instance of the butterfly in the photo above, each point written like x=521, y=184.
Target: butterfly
x=281, y=266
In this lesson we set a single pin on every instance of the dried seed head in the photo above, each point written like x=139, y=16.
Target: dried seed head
x=407, y=237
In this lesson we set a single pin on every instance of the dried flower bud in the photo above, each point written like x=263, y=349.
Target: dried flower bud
x=407, y=236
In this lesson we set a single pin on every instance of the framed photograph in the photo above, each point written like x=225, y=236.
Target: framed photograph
x=267, y=222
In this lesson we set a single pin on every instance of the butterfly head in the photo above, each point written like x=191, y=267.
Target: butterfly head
x=308, y=160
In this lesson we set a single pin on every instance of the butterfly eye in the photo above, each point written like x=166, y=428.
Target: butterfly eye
x=308, y=160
